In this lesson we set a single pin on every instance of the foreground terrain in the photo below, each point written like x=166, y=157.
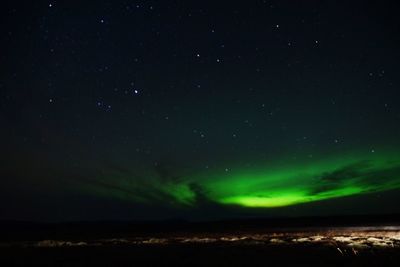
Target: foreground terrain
x=215, y=245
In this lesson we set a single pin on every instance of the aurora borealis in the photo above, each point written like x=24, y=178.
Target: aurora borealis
x=263, y=188
x=310, y=182
x=153, y=110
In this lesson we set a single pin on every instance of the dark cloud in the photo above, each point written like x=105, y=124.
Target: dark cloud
x=346, y=172
x=363, y=173
x=201, y=198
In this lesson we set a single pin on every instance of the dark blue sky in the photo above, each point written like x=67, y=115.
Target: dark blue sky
x=103, y=99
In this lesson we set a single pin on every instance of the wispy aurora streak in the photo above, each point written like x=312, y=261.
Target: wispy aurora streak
x=262, y=187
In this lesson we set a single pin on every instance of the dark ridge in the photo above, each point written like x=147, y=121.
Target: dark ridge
x=31, y=231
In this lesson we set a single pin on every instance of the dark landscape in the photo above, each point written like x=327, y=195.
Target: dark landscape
x=308, y=241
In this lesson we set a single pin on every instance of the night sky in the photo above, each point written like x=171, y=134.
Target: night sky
x=138, y=110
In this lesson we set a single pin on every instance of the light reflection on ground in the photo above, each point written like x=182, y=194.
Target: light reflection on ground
x=345, y=240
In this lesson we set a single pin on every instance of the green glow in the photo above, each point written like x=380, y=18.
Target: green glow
x=285, y=199
x=267, y=202
x=263, y=187
x=182, y=193
x=306, y=182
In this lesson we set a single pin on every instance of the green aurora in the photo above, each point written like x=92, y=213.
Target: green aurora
x=262, y=187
